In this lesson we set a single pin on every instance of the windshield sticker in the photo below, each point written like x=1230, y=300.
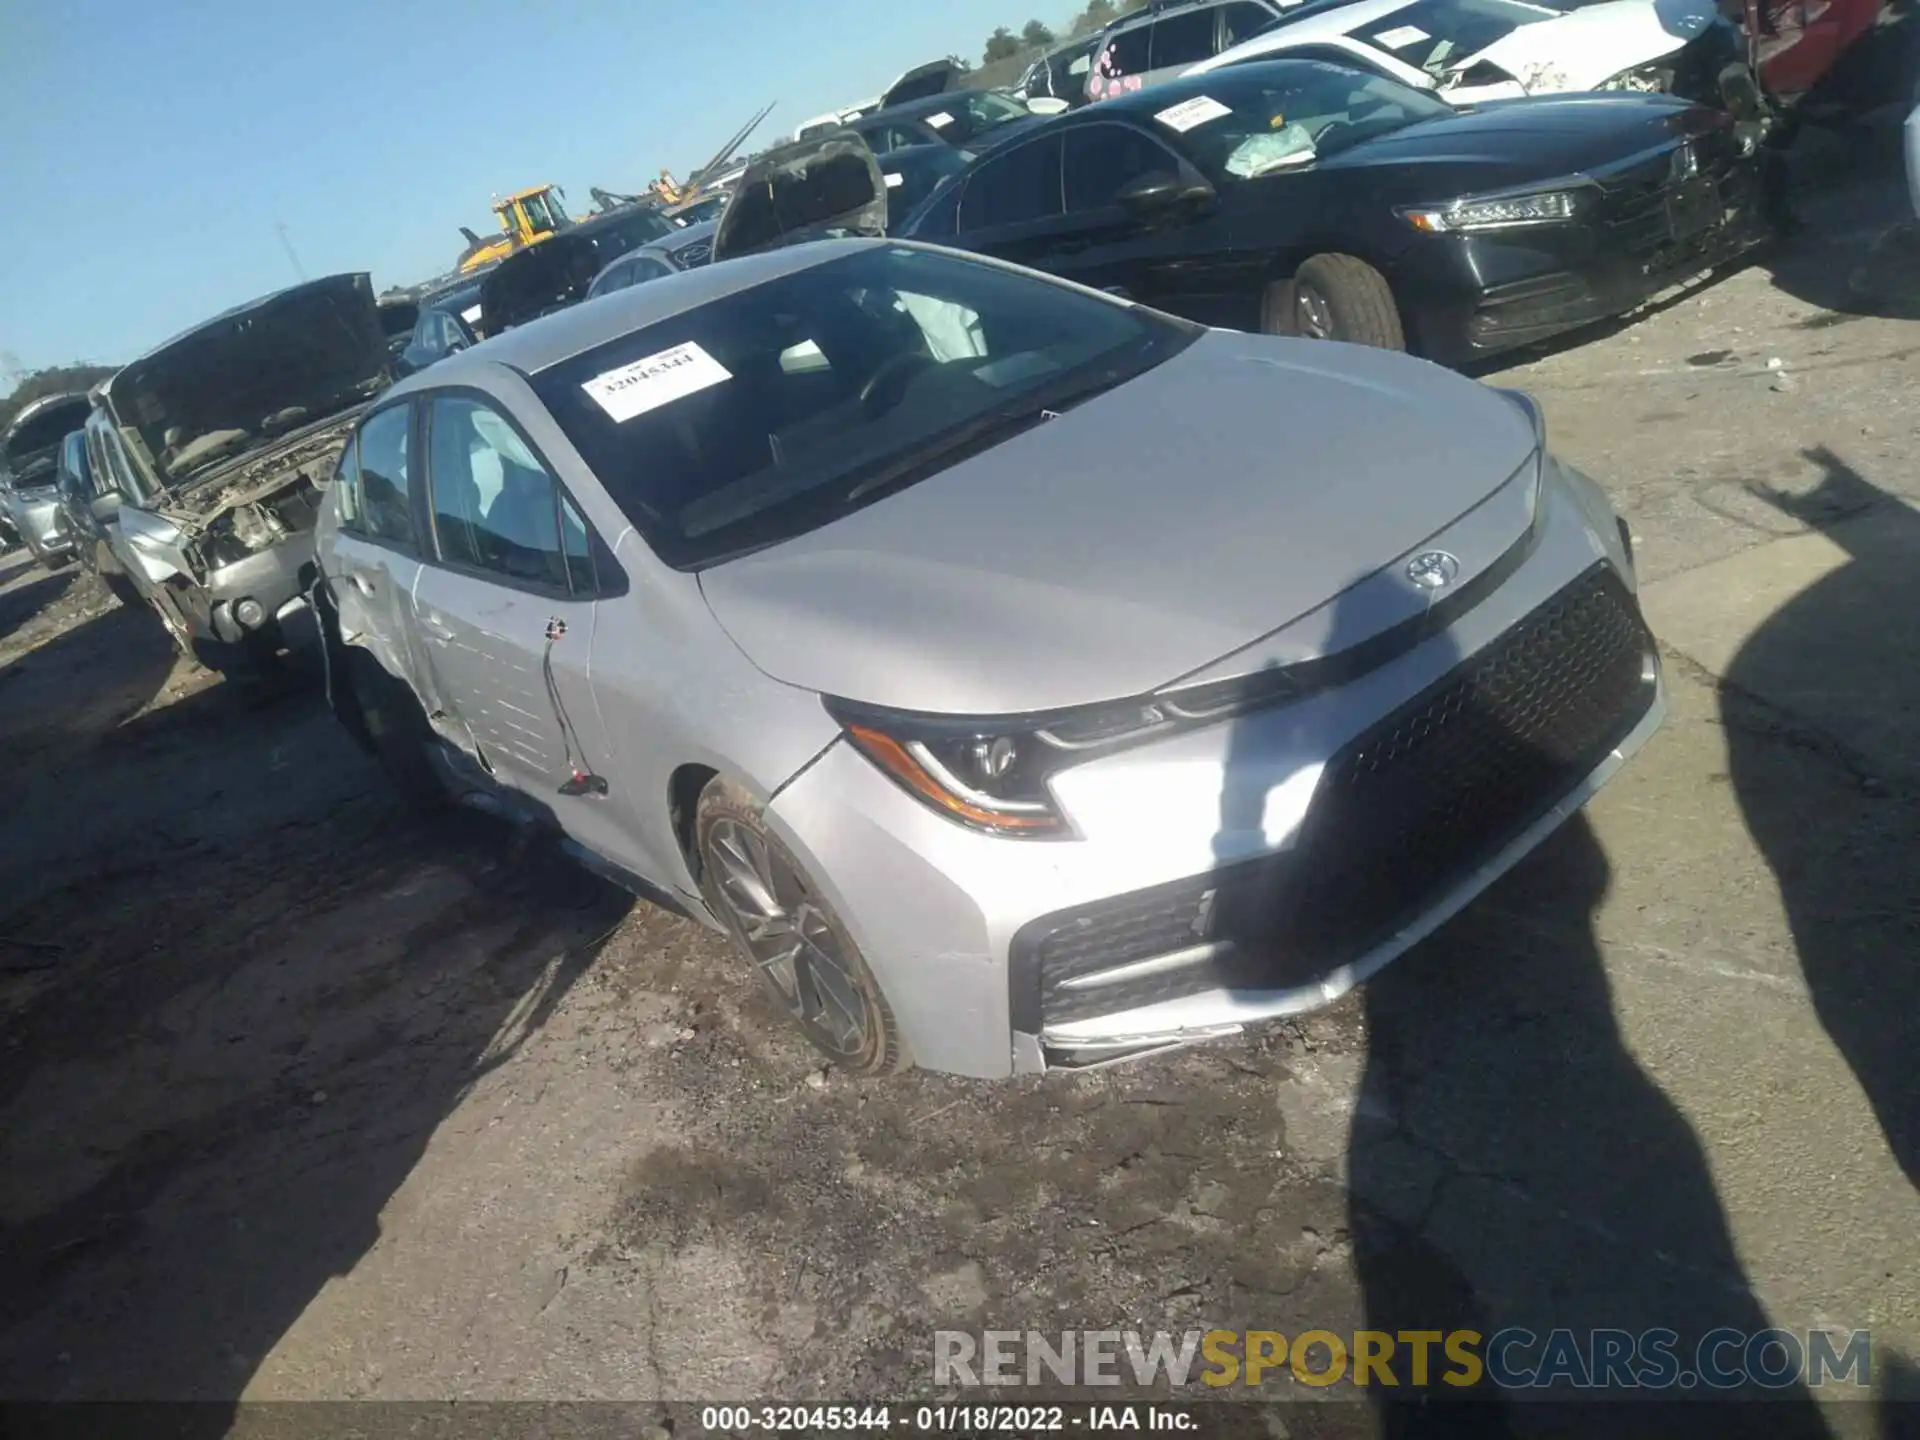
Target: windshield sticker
x=471, y=314
x=1189, y=113
x=940, y=121
x=1401, y=38
x=655, y=381
x=895, y=181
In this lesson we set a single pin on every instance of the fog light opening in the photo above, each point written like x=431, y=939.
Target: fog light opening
x=250, y=613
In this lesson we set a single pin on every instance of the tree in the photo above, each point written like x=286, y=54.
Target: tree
x=1035, y=36
x=1097, y=16
x=1000, y=46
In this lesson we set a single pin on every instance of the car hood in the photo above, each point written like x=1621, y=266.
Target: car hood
x=824, y=186
x=263, y=370
x=932, y=78
x=1579, y=50
x=1518, y=141
x=1132, y=540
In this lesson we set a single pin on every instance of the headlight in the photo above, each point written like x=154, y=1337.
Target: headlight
x=1655, y=79
x=1507, y=212
x=994, y=774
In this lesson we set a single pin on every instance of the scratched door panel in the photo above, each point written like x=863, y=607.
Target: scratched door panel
x=488, y=645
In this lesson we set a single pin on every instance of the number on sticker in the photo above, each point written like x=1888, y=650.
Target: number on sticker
x=1189, y=113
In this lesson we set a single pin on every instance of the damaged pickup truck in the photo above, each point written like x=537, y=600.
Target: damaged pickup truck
x=218, y=441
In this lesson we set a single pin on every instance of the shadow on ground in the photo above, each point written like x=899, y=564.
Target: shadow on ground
x=1828, y=686
x=255, y=990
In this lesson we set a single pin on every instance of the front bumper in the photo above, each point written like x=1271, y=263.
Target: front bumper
x=1183, y=909
x=275, y=579
x=1473, y=295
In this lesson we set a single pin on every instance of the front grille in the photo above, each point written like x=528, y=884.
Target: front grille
x=1660, y=216
x=1401, y=816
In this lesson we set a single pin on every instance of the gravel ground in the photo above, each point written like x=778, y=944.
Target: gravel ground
x=303, y=1098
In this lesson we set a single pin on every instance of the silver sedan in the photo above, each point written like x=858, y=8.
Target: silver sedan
x=1020, y=677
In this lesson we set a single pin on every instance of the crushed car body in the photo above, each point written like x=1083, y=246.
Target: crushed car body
x=219, y=439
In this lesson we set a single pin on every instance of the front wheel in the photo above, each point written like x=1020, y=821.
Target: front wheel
x=784, y=926
x=1334, y=297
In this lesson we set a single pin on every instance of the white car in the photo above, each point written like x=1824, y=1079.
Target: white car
x=1470, y=51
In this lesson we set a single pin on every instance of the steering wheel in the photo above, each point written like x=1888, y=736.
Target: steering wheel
x=893, y=374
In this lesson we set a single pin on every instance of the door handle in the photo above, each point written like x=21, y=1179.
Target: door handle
x=360, y=582
x=435, y=626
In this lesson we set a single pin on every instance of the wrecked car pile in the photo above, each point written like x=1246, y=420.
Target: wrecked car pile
x=220, y=441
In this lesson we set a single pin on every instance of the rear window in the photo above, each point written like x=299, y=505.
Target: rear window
x=33, y=445
x=779, y=409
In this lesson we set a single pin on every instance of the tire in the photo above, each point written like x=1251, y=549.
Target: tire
x=121, y=588
x=394, y=729
x=1334, y=297
x=824, y=985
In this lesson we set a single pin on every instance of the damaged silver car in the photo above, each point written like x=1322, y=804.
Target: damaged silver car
x=218, y=442
x=1021, y=678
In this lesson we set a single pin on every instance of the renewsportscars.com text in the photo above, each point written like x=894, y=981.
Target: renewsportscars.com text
x=1511, y=1359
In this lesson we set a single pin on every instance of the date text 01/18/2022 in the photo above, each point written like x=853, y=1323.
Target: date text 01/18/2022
x=952, y=1419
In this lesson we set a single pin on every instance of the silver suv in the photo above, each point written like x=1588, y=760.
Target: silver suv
x=1019, y=676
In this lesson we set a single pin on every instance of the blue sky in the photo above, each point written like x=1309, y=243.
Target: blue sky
x=148, y=150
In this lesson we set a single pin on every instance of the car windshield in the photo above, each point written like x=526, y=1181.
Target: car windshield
x=959, y=118
x=1261, y=119
x=779, y=409
x=1438, y=36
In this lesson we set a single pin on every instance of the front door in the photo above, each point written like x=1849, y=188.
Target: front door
x=506, y=615
x=1179, y=260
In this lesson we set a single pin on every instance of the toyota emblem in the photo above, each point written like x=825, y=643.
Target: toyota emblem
x=1435, y=570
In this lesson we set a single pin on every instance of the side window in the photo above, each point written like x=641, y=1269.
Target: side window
x=1020, y=186
x=646, y=268
x=495, y=507
x=346, y=485
x=1103, y=159
x=1241, y=19
x=1128, y=52
x=1184, y=39
x=386, y=506
x=614, y=277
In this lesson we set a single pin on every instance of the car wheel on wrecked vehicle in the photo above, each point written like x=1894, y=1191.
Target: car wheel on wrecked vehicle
x=783, y=925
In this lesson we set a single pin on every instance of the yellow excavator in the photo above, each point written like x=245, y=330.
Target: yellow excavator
x=526, y=217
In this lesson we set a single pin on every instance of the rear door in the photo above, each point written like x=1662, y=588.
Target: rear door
x=377, y=551
x=1179, y=261
x=507, y=610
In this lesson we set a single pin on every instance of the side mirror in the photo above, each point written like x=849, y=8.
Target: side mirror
x=1159, y=191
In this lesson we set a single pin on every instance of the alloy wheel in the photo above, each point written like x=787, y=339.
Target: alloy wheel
x=789, y=937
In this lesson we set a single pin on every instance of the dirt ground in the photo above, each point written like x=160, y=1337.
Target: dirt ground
x=302, y=1098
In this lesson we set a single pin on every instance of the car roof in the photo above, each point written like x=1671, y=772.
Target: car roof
x=1148, y=14
x=539, y=344
x=1322, y=18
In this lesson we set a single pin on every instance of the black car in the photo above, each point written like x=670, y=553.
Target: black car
x=558, y=271
x=1061, y=73
x=970, y=118
x=913, y=173
x=447, y=323
x=685, y=249
x=88, y=512
x=1308, y=198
